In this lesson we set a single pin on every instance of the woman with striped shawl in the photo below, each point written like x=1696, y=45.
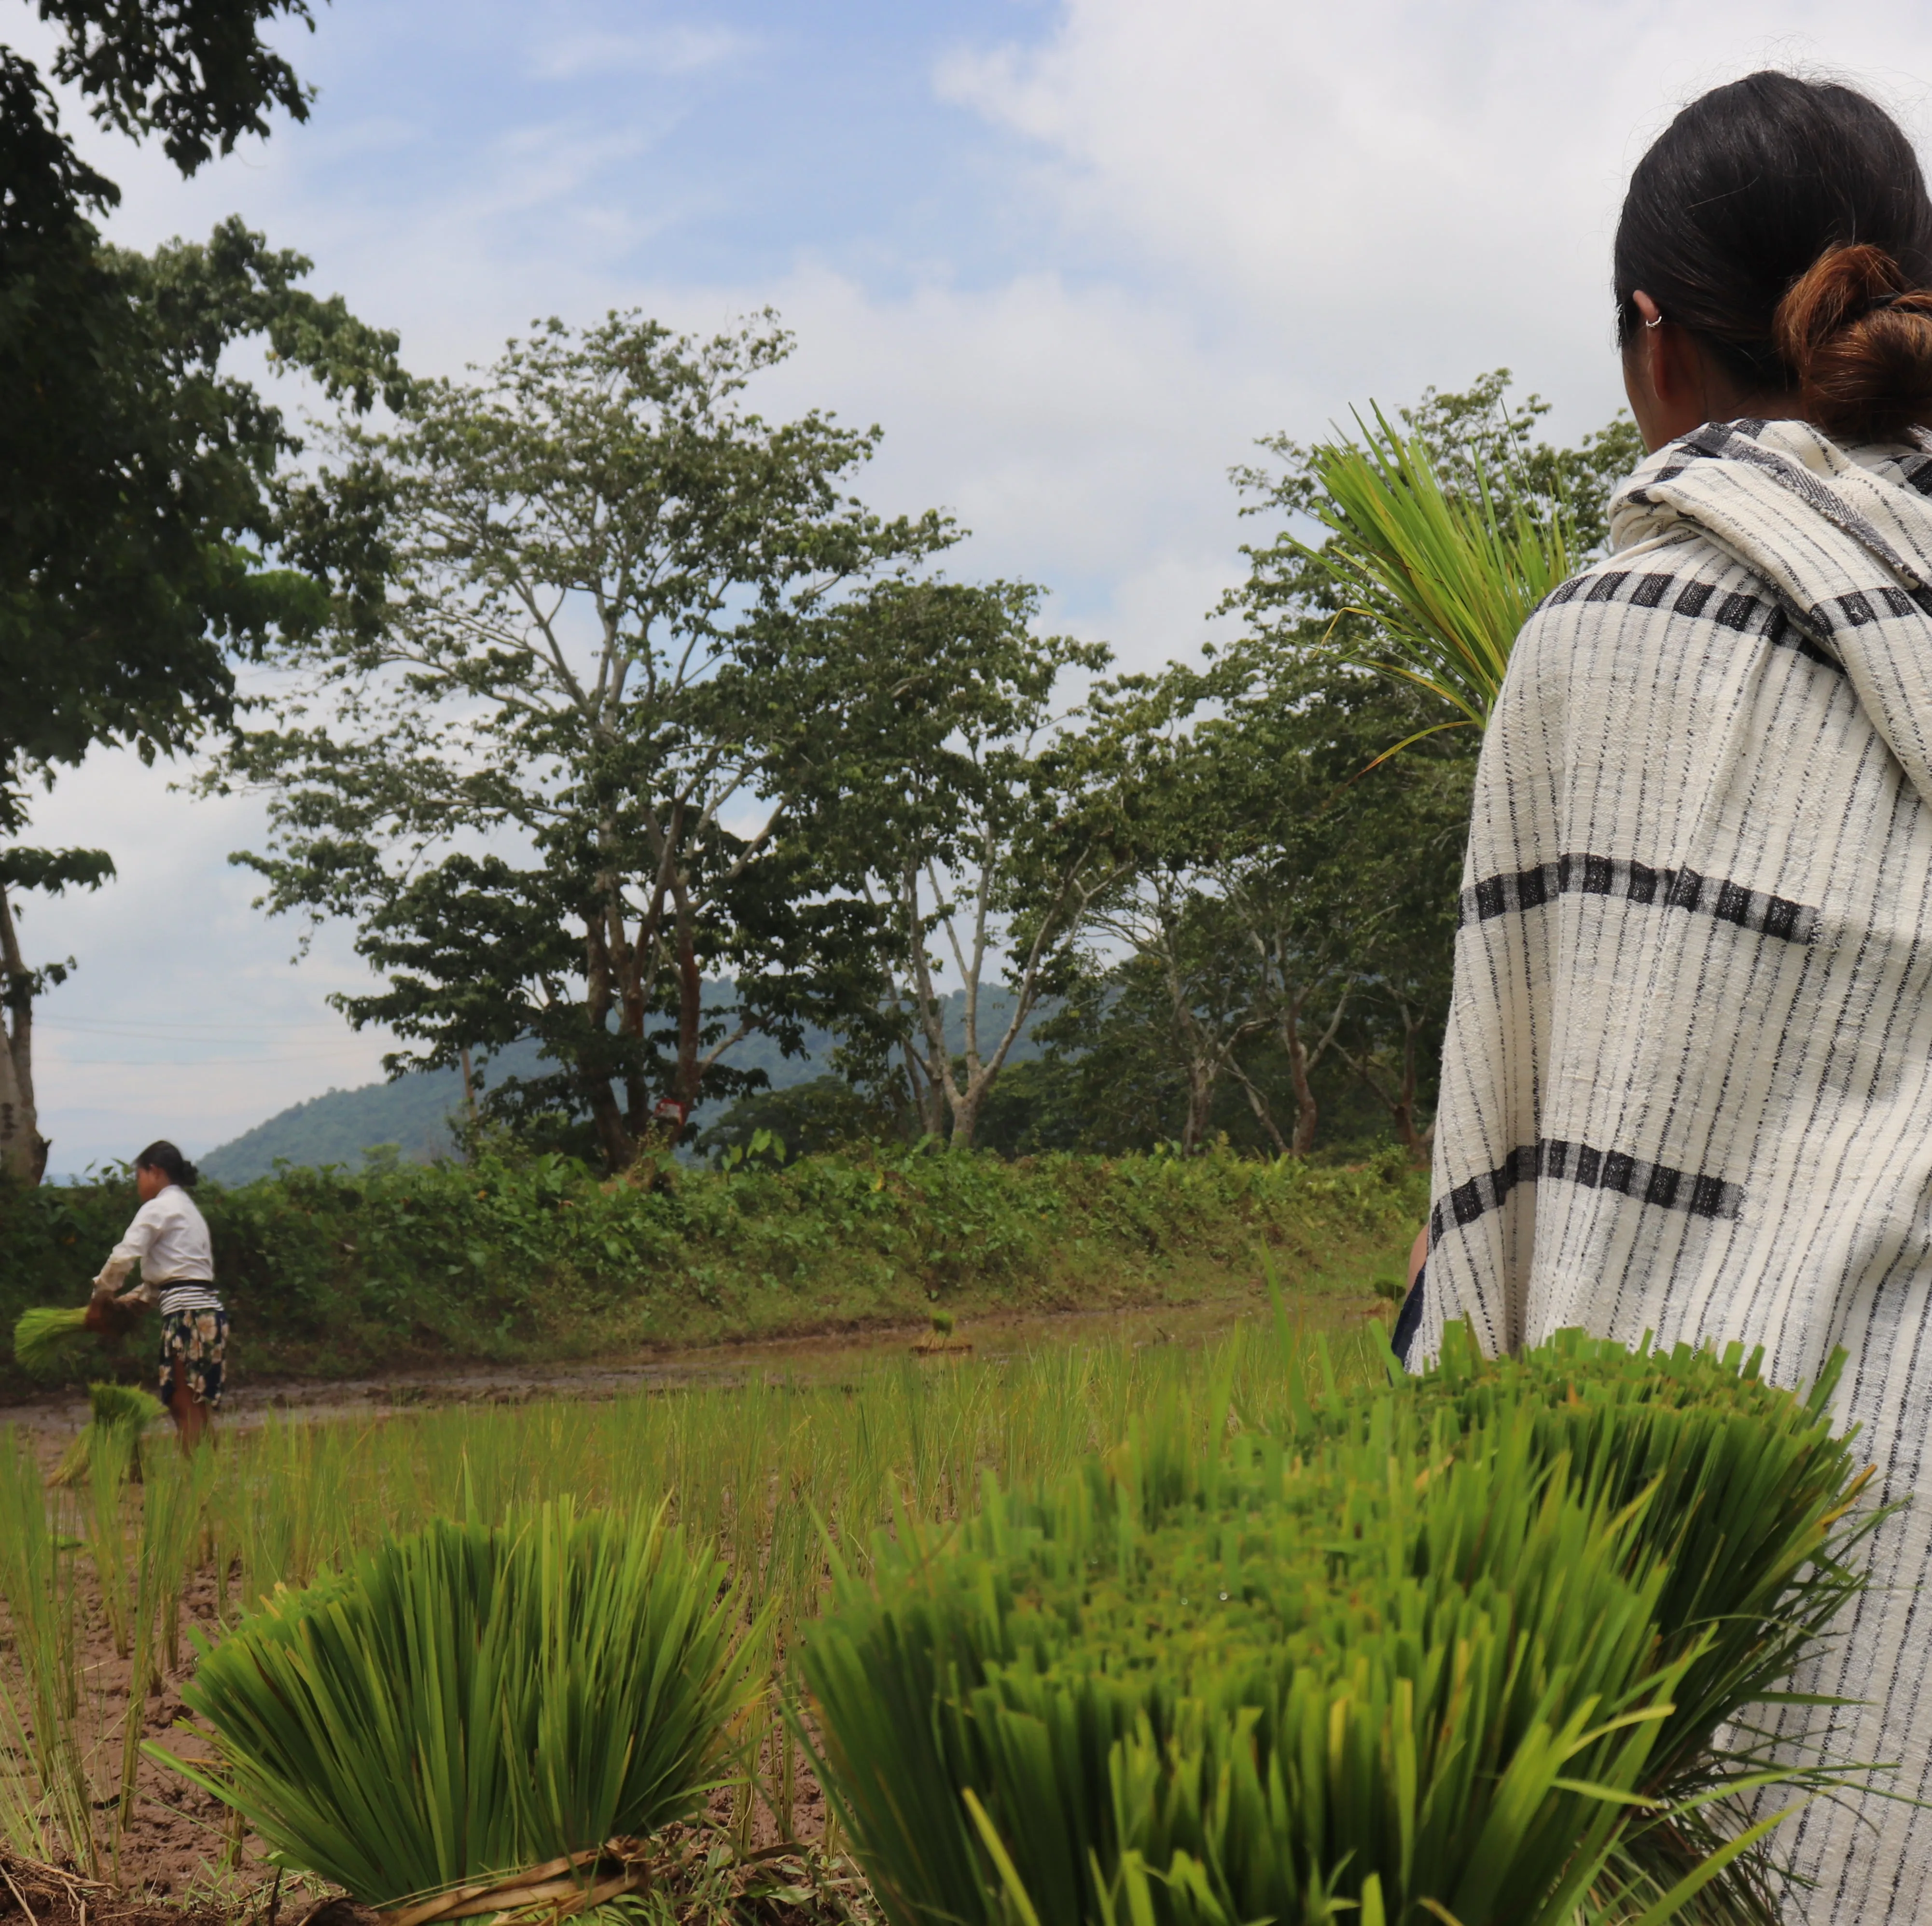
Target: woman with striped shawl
x=1687, y=1088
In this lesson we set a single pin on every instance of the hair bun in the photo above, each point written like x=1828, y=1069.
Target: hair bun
x=162, y=1156
x=1857, y=336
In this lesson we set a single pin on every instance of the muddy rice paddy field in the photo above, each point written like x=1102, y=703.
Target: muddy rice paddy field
x=778, y=1454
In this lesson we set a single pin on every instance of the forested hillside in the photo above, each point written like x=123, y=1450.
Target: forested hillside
x=414, y=1112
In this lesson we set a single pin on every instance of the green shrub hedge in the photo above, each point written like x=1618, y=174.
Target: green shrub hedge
x=328, y=1271
x=1457, y=1647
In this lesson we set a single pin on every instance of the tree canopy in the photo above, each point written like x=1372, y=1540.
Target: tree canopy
x=137, y=515
x=582, y=726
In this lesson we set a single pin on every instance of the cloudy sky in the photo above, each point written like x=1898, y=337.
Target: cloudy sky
x=1073, y=256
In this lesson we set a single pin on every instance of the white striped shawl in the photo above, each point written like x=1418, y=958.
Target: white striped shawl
x=1687, y=1088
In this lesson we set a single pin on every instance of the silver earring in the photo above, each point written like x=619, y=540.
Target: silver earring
x=1657, y=321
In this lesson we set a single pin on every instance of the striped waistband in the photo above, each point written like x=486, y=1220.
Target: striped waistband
x=191, y=1294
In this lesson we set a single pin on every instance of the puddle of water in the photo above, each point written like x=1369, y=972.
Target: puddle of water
x=824, y=1359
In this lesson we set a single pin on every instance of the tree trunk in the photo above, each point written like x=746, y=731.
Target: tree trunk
x=1264, y=1111
x=1400, y=1101
x=23, y=1151
x=619, y=1149
x=617, y=1145
x=690, y=1013
x=1200, y=1104
x=966, y=1115
x=1306, y=1117
x=1416, y=1142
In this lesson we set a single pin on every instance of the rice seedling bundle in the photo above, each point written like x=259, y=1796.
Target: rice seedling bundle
x=468, y=1701
x=117, y=1415
x=1459, y=1644
x=44, y=1337
x=1447, y=579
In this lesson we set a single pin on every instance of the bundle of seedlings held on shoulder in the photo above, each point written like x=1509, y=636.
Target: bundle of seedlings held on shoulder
x=1454, y=1648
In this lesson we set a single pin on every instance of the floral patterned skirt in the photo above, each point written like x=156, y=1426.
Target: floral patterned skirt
x=197, y=1341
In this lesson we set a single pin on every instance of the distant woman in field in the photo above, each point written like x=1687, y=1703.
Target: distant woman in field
x=1687, y=1083
x=169, y=1239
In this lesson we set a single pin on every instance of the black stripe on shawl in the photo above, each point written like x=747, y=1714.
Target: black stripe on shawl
x=1861, y=606
x=1754, y=910
x=1558, y=1158
x=1738, y=610
x=1916, y=472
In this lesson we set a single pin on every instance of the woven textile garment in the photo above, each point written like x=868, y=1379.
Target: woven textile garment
x=1687, y=1084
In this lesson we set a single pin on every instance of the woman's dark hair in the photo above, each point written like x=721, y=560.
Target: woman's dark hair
x=162, y=1156
x=1786, y=222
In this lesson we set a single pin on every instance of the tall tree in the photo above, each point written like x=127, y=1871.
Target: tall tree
x=950, y=779
x=1146, y=792
x=1339, y=867
x=135, y=516
x=561, y=747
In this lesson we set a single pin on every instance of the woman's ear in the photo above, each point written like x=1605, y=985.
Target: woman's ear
x=1664, y=376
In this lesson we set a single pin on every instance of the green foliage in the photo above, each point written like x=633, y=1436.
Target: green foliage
x=1457, y=1647
x=332, y=1271
x=578, y=608
x=471, y=1699
x=1287, y=907
x=1445, y=582
x=952, y=801
x=803, y=1119
x=1278, y=936
x=137, y=517
x=195, y=72
x=136, y=510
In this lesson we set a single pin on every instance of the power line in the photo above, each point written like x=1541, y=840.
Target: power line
x=116, y=1027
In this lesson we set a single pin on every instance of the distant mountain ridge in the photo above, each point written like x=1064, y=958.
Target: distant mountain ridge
x=413, y=1111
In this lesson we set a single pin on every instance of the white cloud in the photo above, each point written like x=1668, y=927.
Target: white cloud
x=1398, y=192
x=186, y=1018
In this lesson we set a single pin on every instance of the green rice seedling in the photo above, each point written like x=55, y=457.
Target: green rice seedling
x=1287, y=1689
x=1068, y=1710
x=470, y=1699
x=37, y=1581
x=122, y=1408
x=1446, y=581
x=45, y=1339
x=110, y=1458
x=1748, y=1497
x=171, y=1504
x=19, y=1799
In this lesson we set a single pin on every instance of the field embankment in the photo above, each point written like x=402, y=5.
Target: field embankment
x=331, y=1274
